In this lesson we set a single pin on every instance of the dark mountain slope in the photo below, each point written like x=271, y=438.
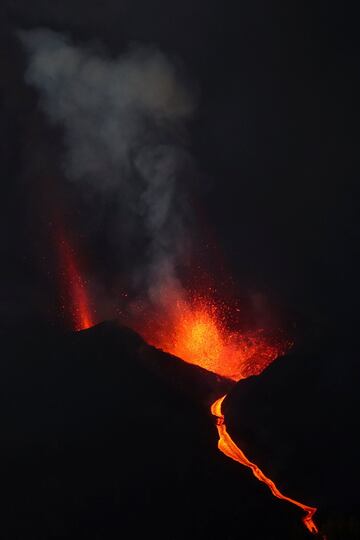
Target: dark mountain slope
x=105, y=437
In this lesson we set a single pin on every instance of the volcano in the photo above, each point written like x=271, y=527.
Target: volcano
x=104, y=435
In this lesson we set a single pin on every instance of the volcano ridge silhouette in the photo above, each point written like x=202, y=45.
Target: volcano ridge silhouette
x=104, y=435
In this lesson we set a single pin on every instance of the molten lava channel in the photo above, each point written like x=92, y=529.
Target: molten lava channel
x=228, y=447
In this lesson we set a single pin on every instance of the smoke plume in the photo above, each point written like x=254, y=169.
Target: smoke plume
x=123, y=121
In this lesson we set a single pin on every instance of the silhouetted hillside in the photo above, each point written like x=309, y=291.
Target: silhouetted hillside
x=103, y=437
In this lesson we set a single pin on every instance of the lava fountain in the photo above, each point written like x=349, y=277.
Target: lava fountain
x=199, y=330
x=75, y=296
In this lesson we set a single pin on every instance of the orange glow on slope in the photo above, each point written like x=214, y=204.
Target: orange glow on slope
x=197, y=331
x=76, y=299
x=228, y=447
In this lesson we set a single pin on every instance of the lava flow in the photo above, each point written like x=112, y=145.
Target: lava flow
x=73, y=285
x=228, y=447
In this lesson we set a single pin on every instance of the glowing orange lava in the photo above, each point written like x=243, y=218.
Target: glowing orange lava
x=197, y=331
x=74, y=286
x=227, y=446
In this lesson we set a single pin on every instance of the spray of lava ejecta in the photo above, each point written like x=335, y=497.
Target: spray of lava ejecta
x=196, y=329
x=75, y=298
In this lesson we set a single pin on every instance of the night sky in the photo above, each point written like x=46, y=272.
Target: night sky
x=258, y=135
x=274, y=142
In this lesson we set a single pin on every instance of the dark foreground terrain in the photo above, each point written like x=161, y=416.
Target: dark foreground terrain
x=105, y=437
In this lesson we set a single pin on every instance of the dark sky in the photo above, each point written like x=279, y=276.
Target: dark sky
x=275, y=137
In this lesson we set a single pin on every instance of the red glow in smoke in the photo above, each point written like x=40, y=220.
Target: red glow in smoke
x=75, y=296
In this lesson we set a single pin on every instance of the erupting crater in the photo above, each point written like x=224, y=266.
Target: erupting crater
x=200, y=332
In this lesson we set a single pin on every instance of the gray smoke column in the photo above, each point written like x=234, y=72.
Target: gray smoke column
x=122, y=120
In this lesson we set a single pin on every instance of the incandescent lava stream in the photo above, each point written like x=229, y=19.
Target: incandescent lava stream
x=228, y=447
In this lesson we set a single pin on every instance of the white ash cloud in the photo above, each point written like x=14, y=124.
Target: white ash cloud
x=123, y=120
